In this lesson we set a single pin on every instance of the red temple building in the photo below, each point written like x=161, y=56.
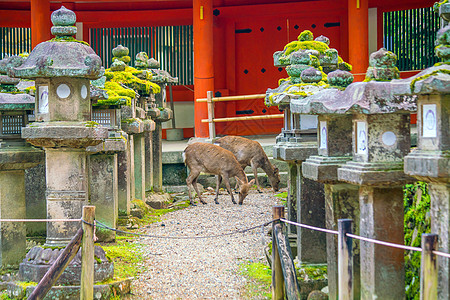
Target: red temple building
x=226, y=46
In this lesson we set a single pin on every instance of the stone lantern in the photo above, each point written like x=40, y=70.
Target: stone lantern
x=103, y=163
x=380, y=140
x=334, y=147
x=62, y=70
x=156, y=109
x=430, y=161
x=306, y=61
x=15, y=157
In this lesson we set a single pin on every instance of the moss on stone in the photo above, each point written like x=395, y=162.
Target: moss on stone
x=128, y=78
x=64, y=39
x=91, y=124
x=305, y=35
x=416, y=201
x=413, y=83
x=305, y=45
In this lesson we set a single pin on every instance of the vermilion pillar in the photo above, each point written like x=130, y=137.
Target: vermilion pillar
x=203, y=61
x=40, y=21
x=358, y=37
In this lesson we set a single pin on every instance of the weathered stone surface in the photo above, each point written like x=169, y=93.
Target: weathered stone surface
x=317, y=295
x=110, y=145
x=139, y=166
x=12, y=234
x=51, y=59
x=132, y=126
x=103, y=192
x=64, y=134
x=323, y=169
x=38, y=260
x=360, y=97
x=340, y=78
x=35, y=199
x=310, y=205
x=125, y=177
x=10, y=62
x=158, y=200
x=374, y=174
x=101, y=291
x=16, y=102
x=294, y=152
x=20, y=158
x=383, y=275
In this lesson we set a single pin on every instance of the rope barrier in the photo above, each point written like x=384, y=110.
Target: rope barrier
x=99, y=224
x=384, y=243
x=310, y=227
x=40, y=220
x=443, y=254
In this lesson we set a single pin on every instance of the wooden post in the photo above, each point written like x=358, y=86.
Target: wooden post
x=277, y=271
x=172, y=105
x=57, y=268
x=87, y=255
x=429, y=268
x=345, y=260
x=212, y=126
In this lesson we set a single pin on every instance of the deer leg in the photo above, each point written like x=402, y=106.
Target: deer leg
x=192, y=178
x=218, y=182
x=236, y=187
x=227, y=184
x=255, y=173
x=196, y=190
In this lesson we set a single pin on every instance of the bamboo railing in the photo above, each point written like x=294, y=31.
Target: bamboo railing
x=210, y=100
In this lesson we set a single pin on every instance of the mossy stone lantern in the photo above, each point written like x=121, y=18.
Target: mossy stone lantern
x=103, y=162
x=62, y=68
x=380, y=140
x=430, y=161
x=334, y=147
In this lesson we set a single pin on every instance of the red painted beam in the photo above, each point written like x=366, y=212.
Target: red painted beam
x=40, y=21
x=203, y=61
x=358, y=32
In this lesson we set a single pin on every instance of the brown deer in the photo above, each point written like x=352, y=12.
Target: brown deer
x=212, y=159
x=250, y=153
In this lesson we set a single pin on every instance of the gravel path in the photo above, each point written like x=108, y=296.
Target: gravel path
x=204, y=268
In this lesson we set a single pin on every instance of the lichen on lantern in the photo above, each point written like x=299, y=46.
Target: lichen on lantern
x=299, y=56
x=382, y=66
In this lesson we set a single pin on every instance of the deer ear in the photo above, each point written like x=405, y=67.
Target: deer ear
x=251, y=182
x=240, y=182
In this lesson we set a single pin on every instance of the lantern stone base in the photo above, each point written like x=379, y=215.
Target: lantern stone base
x=38, y=260
x=429, y=165
x=377, y=174
x=323, y=168
x=294, y=151
x=72, y=292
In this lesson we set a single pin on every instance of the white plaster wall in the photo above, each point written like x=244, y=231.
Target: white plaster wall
x=184, y=115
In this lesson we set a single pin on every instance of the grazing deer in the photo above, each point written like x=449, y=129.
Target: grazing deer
x=212, y=159
x=250, y=153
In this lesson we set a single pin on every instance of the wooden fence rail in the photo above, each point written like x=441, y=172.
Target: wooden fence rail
x=284, y=277
x=210, y=100
x=83, y=236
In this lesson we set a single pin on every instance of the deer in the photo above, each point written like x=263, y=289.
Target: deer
x=250, y=153
x=212, y=159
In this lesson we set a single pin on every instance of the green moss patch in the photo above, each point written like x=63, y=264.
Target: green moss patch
x=413, y=83
x=416, y=202
x=65, y=39
x=129, y=78
x=305, y=45
x=127, y=257
x=259, y=279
